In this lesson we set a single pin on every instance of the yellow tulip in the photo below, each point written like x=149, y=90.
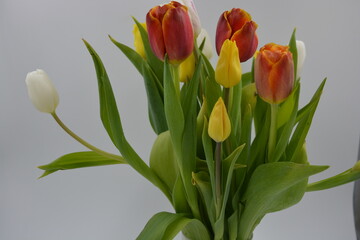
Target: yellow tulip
x=138, y=43
x=219, y=123
x=187, y=68
x=228, y=68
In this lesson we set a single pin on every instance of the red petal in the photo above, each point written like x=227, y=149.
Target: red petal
x=246, y=41
x=155, y=33
x=223, y=31
x=178, y=34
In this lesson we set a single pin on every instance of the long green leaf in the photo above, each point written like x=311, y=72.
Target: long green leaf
x=165, y=226
x=131, y=54
x=299, y=135
x=78, y=160
x=293, y=50
x=111, y=120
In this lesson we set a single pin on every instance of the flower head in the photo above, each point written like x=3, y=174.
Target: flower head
x=237, y=26
x=170, y=31
x=301, y=54
x=228, y=68
x=274, y=73
x=42, y=92
x=219, y=123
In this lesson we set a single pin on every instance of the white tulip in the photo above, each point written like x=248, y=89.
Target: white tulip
x=194, y=16
x=301, y=52
x=207, y=50
x=42, y=92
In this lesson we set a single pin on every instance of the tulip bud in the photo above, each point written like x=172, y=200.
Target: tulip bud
x=194, y=16
x=187, y=69
x=301, y=54
x=274, y=73
x=207, y=50
x=138, y=42
x=170, y=32
x=237, y=26
x=228, y=68
x=219, y=123
x=42, y=92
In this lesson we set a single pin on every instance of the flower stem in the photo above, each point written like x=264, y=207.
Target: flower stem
x=218, y=177
x=83, y=142
x=176, y=80
x=273, y=131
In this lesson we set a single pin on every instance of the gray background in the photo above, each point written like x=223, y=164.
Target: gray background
x=114, y=202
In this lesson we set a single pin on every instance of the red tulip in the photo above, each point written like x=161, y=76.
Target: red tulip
x=170, y=31
x=274, y=73
x=237, y=26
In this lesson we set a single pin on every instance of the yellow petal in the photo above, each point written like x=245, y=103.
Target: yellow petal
x=138, y=43
x=219, y=123
x=228, y=68
x=187, y=68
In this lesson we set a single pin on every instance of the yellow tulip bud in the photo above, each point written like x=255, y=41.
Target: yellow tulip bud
x=228, y=68
x=219, y=123
x=187, y=68
x=138, y=43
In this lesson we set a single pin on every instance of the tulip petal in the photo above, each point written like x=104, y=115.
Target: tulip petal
x=155, y=34
x=247, y=40
x=223, y=32
x=237, y=18
x=281, y=78
x=178, y=34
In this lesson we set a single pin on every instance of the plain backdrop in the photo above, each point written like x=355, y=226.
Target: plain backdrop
x=114, y=202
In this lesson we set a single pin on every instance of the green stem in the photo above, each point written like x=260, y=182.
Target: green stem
x=218, y=170
x=228, y=106
x=151, y=177
x=83, y=142
x=273, y=131
x=175, y=73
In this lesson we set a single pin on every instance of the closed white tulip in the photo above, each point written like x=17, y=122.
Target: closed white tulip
x=194, y=16
x=301, y=51
x=208, y=49
x=42, y=92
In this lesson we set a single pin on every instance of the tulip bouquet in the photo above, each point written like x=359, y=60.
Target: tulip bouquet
x=230, y=146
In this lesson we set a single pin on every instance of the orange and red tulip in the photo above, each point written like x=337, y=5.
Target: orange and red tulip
x=274, y=73
x=236, y=25
x=170, y=31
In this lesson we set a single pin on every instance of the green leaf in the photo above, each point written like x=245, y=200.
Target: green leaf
x=348, y=176
x=79, y=160
x=155, y=100
x=202, y=182
x=209, y=154
x=155, y=64
x=228, y=169
x=246, y=79
x=287, y=113
x=235, y=113
x=212, y=90
x=179, y=200
x=299, y=135
x=131, y=54
x=273, y=187
x=165, y=226
x=293, y=50
x=111, y=120
x=163, y=159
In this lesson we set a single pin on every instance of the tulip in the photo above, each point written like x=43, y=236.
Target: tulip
x=274, y=73
x=207, y=50
x=42, y=92
x=219, y=123
x=194, y=16
x=228, y=68
x=301, y=54
x=138, y=42
x=237, y=26
x=187, y=69
x=170, y=32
